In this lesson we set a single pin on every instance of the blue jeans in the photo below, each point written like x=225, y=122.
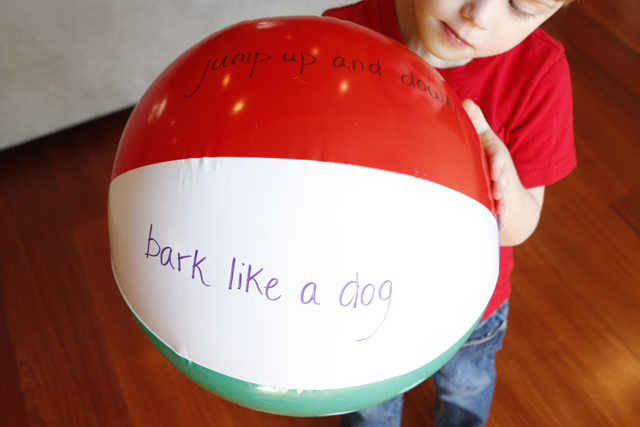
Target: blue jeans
x=464, y=385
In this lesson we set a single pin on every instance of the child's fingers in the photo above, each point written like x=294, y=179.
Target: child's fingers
x=476, y=116
x=497, y=156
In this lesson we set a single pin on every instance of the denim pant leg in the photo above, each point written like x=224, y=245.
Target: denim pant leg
x=387, y=414
x=465, y=384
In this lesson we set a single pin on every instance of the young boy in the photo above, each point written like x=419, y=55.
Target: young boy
x=517, y=90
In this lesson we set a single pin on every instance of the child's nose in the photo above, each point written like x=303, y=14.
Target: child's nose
x=478, y=12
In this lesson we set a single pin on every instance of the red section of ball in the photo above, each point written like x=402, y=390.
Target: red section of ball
x=307, y=88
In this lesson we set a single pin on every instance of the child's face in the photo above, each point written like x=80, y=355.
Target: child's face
x=456, y=31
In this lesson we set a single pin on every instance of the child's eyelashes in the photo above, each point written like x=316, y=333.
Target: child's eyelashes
x=519, y=12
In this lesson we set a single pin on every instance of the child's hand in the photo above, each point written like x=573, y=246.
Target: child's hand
x=497, y=155
x=524, y=204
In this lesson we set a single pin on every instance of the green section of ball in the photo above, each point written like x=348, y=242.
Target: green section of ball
x=301, y=403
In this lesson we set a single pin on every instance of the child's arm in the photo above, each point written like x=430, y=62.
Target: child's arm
x=524, y=205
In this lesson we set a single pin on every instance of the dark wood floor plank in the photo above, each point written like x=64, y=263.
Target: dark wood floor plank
x=628, y=209
x=12, y=398
x=59, y=349
x=619, y=16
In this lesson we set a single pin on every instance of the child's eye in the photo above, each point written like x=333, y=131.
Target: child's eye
x=518, y=11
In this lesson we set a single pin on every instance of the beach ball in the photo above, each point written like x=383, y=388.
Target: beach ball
x=300, y=217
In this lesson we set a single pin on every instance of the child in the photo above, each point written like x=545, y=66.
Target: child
x=496, y=58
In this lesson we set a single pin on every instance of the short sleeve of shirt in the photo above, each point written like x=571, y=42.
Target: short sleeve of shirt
x=541, y=138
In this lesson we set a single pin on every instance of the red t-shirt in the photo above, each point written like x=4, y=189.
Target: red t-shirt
x=525, y=95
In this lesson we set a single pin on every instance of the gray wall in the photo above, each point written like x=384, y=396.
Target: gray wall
x=63, y=62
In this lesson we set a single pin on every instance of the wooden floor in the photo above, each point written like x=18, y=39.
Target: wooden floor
x=71, y=354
